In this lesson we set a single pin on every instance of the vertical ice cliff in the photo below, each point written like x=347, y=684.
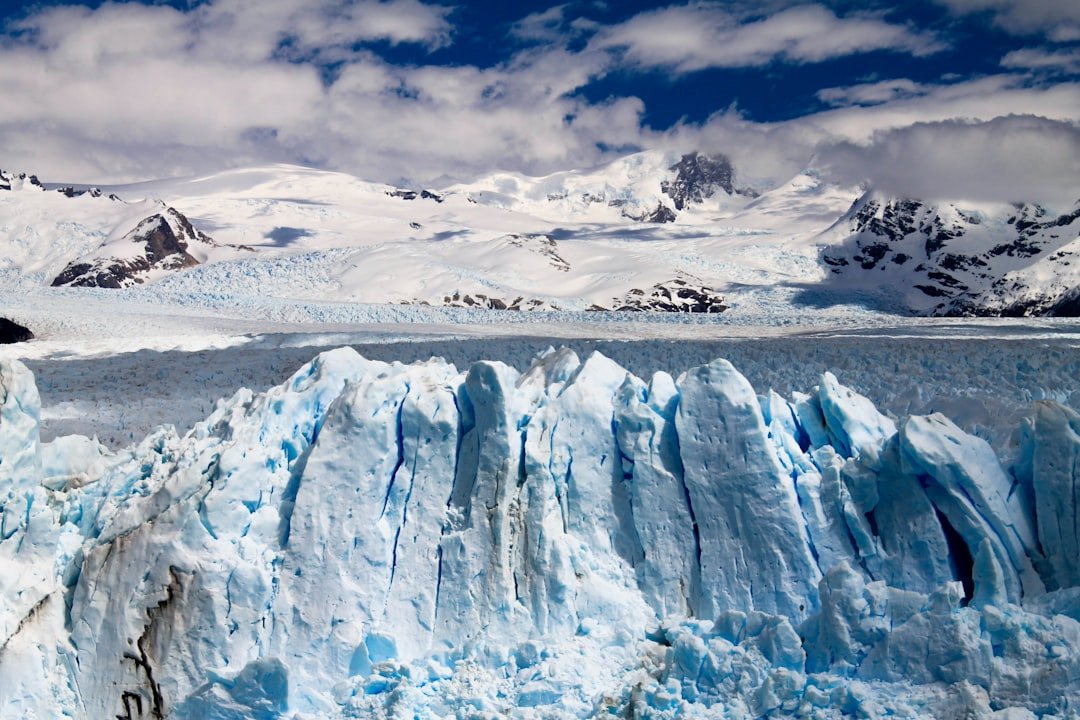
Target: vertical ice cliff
x=377, y=540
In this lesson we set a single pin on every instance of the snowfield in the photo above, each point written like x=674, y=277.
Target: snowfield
x=651, y=231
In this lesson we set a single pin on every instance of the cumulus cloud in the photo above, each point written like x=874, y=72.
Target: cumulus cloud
x=130, y=91
x=127, y=92
x=705, y=34
x=1007, y=159
x=1059, y=19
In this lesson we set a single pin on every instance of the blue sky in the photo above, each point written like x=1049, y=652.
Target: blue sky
x=418, y=92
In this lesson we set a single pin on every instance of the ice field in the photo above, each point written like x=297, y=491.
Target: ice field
x=847, y=521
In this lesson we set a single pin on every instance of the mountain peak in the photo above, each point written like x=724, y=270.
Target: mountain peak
x=697, y=178
x=18, y=181
x=161, y=242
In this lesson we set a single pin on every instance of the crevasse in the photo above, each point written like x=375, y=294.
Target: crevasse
x=387, y=540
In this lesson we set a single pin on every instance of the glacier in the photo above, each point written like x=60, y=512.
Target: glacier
x=381, y=540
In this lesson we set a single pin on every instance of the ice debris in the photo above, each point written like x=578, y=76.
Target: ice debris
x=386, y=540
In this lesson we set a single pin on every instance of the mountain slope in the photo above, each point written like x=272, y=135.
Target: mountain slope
x=650, y=187
x=988, y=259
x=586, y=240
x=68, y=236
x=157, y=246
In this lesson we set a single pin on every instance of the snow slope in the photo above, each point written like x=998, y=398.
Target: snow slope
x=982, y=259
x=70, y=237
x=385, y=540
x=296, y=233
x=651, y=231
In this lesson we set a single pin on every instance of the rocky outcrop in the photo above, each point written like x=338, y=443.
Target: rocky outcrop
x=542, y=245
x=1012, y=260
x=19, y=181
x=13, y=332
x=676, y=295
x=698, y=177
x=415, y=194
x=161, y=244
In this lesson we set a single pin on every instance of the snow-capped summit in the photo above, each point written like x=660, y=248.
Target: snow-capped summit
x=19, y=181
x=649, y=231
x=158, y=245
x=953, y=259
x=699, y=177
x=650, y=186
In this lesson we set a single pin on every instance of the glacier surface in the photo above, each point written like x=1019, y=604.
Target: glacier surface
x=375, y=539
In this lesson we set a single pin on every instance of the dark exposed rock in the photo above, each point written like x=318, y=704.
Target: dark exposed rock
x=698, y=177
x=164, y=248
x=671, y=296
x=946, y=279
x=484, y=302
x=7, y=180
x=541, y=245
x=933, y=290
x=662, y=213
x=1068, y=305
x=676, y=295
x=413, y=195
x=937, y=236
x=71, y=192
x=951, y=261
x=871, y=254
x=885, y=234
x=13, y=332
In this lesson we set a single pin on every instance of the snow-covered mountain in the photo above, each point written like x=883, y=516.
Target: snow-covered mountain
x=373, y=540
x=19, y=181
x=83, y=237
x=650, y=187
x=156, y=247
x=650, y=231
x=985, y=259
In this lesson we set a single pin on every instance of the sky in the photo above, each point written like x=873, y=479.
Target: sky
x=971, y=99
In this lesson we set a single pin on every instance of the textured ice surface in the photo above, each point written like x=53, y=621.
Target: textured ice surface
x=375, y=539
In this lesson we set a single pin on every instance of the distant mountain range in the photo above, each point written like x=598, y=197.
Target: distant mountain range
x=649, y=232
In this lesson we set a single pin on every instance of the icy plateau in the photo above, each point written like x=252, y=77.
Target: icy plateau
x=377, y=540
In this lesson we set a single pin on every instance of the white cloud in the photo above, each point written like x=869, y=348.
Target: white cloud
x=870, y=93
x=1007, y=159
x=704, y=34
x=773, y=152
x=129, y=92
x=1059, y=19
x=1063, y=61
x=981, y=99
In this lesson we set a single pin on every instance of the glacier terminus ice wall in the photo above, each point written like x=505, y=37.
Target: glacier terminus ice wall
x=377, y=540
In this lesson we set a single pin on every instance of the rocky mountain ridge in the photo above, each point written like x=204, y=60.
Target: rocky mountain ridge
x=158, y=244
x=1011, y=260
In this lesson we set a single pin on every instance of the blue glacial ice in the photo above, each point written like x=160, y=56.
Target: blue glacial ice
x=379, y=540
